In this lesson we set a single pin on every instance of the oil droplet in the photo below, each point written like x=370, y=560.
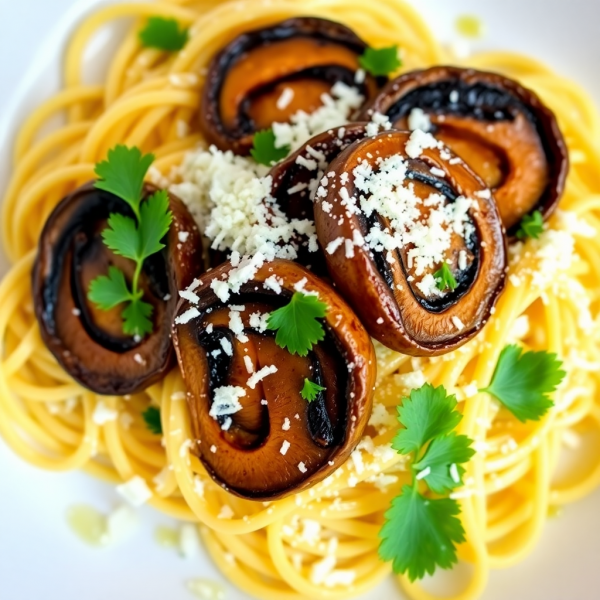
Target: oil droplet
x=166, y=537
x=555, y=511
x=205, y=589
x=470, y=26
x=88, y=524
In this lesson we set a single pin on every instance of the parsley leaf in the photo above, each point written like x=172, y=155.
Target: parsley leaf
x=523, y=382
x=164, y=34
x=108, y=291
x=428, y=413
x=420, y=533
x=136, y=318
x=152, y=419
x=136, y=239
x=532, y=226
x=264, y=150
x=311, y=390
x=445, y=279
x=155, y=220
x=121, y=236
x=296, y=323
x=123, y=174
x=382, y=61
x=442, y=453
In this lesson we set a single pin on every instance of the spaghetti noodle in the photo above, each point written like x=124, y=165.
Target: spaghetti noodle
x=552, y=302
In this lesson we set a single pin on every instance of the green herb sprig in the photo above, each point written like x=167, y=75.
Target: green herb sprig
x=523, y=382
x=444, y=278
x=421, y=532
x=311, y=390
x=297, y=325
x=164, y=34
x=532, y=226
x=152, y=419
x=135, y=239
x=380, y=61
x=264, y=151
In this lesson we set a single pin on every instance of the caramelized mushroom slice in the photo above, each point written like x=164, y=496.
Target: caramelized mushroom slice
x=296, y=179
x=88, y=342
x=394, y=209
x=501, y=129
x=273, y=442
x=267, y=75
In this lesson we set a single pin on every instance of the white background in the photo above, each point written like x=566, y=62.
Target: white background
x=39, y=556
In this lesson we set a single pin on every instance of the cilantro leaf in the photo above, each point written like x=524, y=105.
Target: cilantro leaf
x=296, y=323
x=420, y=533
x=523, y=382
x=311, y=390
x=123, y=174
x=152, y=419
x=264, y=150
x=121, y=236
x=155, y=220
x=532, y=226
x=445, y=279
x=382, y=61
x=136, y=318
x=164, y=34
x=108, y=291
x=428, y=413
x=442, y=453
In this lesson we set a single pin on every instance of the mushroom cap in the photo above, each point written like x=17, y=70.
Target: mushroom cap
x=506, y=134
x=89, y=343
x=246, y=79
x=384, y=290
x=285, y=444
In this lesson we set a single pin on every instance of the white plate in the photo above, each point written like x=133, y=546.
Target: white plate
x=39, y=556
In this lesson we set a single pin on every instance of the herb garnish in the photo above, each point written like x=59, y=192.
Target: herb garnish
x=152, y=419
x=420, y=533
x=164, y=34
x=445, y=279
x=381, y=61
x=523, y=382
x=123, y=175
x=532, y=226
x=311, y=390
x=296, y=324
x=264, y=150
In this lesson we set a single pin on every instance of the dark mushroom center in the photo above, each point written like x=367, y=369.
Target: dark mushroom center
x=79, y=257
x=236, y=359
x=434, y=197
x=496, y=134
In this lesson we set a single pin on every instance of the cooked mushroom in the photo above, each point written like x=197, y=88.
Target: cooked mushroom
x=296, y=179
x=88, y=342
x=254, y=432
x=501, y=129
x=267, y=75
x=413, y=241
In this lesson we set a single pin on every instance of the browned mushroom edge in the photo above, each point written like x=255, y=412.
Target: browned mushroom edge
x=384, y=290
x=278, y=443
x=295, y=181
x=246, y=79
x=500, y=128
x=88, y=342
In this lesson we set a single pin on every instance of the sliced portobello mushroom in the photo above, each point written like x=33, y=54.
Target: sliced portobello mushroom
x=394, y=209
x=88, y=342
x=296, y=179
x=254, y=432
x=267, y=75
x=501, y=129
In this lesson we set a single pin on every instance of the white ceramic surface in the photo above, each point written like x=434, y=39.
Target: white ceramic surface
x=40, y=558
